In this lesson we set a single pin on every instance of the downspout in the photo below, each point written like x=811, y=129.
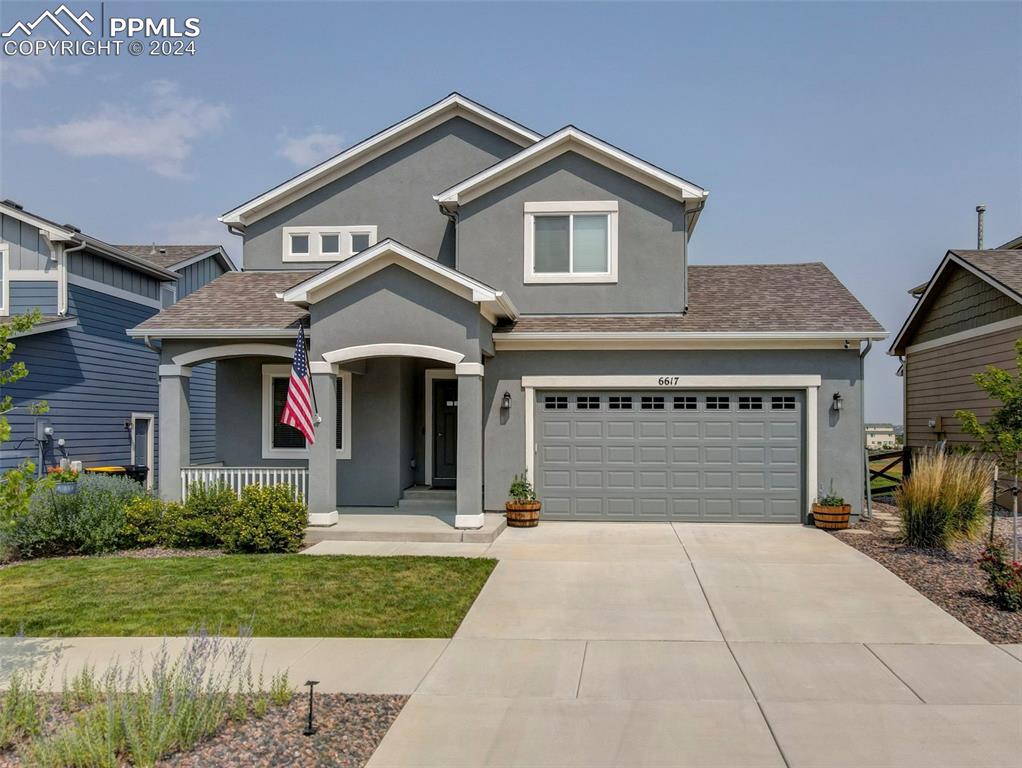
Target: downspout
x=78, y=247
x=868, y=512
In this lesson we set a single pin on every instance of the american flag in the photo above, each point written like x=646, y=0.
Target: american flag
x=297, y=411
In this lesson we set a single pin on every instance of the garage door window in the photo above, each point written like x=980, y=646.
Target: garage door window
x=750, y=403
x=718, y=403
x=556, y=403
x=587, y=402
x=619, y=403
x=782, y=402
x=652, y=403
x=685, y=403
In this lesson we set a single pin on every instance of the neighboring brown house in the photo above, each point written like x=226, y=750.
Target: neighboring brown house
x=968, y=316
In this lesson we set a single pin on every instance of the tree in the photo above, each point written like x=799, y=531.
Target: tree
x=15, y=371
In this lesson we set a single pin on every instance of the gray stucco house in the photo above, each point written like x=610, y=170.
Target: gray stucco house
x=100, y=385
x=482, y=300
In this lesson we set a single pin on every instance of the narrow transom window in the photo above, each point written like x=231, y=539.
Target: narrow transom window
x=750, y=403
x=555, y=402
x=359, y=241
x=685, y=403
x=587, y=402
x=782, y=402
x=330, y=244
x=300, y=244
x=718, y=403
x=652, y=403
x=571, y=242
x=619, y=403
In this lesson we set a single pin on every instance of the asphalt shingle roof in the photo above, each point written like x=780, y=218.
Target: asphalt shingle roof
x=740, y=298
x=235, y=300
x=1004, y=266
x=166, y=256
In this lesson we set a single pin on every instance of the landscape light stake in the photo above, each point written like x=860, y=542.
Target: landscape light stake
x=309, y=727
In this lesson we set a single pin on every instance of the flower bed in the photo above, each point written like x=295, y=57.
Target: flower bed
x=952, y=579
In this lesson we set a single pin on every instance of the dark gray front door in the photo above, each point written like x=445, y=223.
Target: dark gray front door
x=445, y=432
x=670, y=455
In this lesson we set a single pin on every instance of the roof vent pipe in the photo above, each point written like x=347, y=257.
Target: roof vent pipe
x=980, y=210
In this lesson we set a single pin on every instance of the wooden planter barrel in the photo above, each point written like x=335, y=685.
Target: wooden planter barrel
x=831, y=518
x=522, y=514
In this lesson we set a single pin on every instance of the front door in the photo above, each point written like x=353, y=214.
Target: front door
x=445, y=432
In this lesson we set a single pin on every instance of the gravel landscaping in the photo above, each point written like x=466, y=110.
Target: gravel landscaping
x=952, y=579
x=350, y=728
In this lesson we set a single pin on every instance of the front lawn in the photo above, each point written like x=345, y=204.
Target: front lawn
x=275, y=595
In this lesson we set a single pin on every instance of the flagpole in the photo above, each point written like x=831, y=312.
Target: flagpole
x=312, y=388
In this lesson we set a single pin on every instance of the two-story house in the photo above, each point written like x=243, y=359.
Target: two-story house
x=481, y=300
x=100, y=385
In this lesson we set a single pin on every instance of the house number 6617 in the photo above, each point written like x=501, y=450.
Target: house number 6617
x=668, y=381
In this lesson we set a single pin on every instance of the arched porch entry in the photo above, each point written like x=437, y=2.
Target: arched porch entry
x=323, y=492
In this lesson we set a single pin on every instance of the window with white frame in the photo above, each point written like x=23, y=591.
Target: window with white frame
x=5, y=282
x=281, y=441
x=326, y=243
x=571, y=242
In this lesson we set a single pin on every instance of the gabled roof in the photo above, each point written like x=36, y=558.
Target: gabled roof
x=1011, y=244
x=71, y=235
x=1001, y=268
x=454, y=105
x=176, y=257
x=572, y=139
x=789, y=301
x=493, y=303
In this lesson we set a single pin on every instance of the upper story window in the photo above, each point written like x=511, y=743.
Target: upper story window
x=326, y=243
x=571, y=242
x=5, y=301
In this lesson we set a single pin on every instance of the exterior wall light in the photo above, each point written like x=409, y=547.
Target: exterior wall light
x=505, y=401
x=836, y=403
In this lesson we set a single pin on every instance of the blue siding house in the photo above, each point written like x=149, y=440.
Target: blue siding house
x=101, y=385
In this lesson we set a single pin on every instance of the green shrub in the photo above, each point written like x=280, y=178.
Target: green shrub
x=16, y=489
x=143, y=523
x=1003, y=577
x=943, y=499
x=88, y=522
x=199, y=522
x=266, y=519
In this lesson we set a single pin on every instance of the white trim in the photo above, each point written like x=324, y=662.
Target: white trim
x=277, y=371
x=809, y=383
x=323, y=518
x=5, y=283
x=971, y=333
x=120, y=293
x=51, y=231
x=214, y=333
x=197, y=356
x=469, y=369
x=382, y=255
x=556, y=340
x=58, y=250
x=35, y=275
x=374, y=146
x=432, y=374
x=393, y=350
x=224, y=260
x=570, y=138
x=740, y=381
x=175, y=370
x=571, y=209
x=470, y=521
x=150, y=444
x=55, y=325
x=315, y=234
x=317, y=366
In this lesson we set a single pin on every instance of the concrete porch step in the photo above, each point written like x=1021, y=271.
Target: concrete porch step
x=425, y=492
x=393, y=526
x=421, y=505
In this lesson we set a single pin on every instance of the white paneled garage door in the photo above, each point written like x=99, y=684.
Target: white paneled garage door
x=670, y=455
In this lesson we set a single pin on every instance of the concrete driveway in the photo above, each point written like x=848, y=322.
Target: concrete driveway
x=706, y=645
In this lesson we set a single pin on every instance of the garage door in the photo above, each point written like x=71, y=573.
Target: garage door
x=670, y=455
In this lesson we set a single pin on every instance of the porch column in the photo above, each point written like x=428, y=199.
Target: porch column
x=174, y=429
x=470, y=446
x=322, y=498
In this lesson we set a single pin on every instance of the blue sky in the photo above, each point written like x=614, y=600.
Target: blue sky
x=861, y=135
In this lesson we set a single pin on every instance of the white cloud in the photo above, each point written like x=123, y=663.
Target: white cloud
x=24, y=72
x=160, y=133
x=311, y=149
x=200, y=230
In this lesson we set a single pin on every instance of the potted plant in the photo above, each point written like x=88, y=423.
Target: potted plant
x=522, y=506
x=66, y=480
x=831, y=513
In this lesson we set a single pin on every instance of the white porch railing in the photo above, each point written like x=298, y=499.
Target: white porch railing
x=239, y=477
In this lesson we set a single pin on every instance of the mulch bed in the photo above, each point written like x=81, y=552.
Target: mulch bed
x=350, y=728
x=951, y=579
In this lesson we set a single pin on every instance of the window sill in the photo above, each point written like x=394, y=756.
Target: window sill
x=567, y=279
x=298, y=453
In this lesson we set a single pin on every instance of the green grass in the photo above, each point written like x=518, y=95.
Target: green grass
x=275, y=595
x=882, y=483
